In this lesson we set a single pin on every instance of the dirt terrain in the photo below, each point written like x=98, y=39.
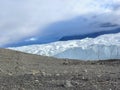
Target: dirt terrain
x=21, y=71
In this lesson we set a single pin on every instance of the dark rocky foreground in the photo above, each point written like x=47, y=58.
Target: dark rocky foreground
x=21, y=71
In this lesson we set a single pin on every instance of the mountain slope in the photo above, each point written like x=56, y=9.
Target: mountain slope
x=102, y=47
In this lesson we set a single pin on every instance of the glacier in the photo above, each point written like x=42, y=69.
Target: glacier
x=100, y=48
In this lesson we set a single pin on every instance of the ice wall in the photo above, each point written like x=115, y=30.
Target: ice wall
x=94, y=52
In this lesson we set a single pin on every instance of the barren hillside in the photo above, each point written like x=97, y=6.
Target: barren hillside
x=21, y=71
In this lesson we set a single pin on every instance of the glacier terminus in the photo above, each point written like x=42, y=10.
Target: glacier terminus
x=100, y=48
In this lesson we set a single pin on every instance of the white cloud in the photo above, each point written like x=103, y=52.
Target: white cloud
x=25, y=18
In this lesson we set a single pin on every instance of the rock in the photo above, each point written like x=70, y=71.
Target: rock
x=35, y=72
x=57, y=74
x=43, y=73
x=37, y=81
x=86, y=70
x=68, y=84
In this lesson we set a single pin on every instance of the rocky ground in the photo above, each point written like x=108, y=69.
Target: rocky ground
x=21, y=71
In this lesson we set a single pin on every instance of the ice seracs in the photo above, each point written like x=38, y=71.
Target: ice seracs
x=99, y=48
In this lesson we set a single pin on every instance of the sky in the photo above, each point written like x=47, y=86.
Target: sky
x=41, y=21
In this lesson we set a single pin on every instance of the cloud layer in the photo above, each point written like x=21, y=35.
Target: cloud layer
x=26, y=18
